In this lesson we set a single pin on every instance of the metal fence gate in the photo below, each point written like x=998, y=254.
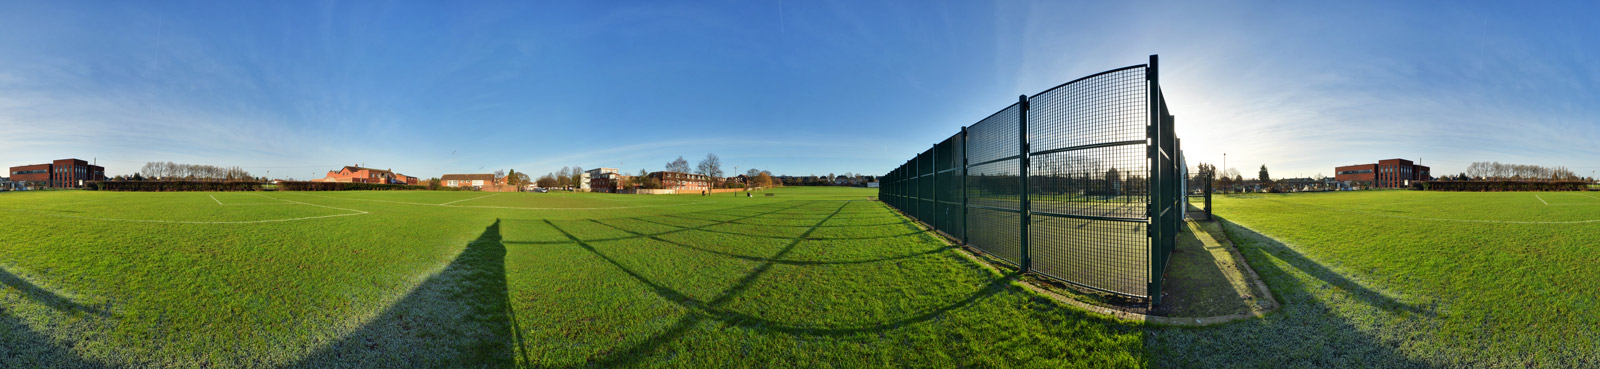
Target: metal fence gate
x=1081, y=183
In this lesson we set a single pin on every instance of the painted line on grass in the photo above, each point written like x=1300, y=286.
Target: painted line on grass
x=510, y=207
x=475, y=198
x=214, y=198
x=1459, y=220
x=1541, y=199
x=182, y=221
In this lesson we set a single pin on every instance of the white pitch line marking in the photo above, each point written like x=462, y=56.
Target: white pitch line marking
x=214, y=198
x=508, y=207
x=475, y=198
x=1541, y=199
x=182, y=221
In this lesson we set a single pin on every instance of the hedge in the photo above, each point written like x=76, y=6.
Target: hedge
x=1503, y=186
x=166, y=186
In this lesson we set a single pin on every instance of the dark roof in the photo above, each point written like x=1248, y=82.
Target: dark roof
x=467, y=177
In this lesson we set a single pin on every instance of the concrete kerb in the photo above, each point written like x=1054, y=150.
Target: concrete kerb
x=1272, y=303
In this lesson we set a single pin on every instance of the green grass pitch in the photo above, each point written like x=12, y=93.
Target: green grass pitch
x=810, y=277
x=1410, y=279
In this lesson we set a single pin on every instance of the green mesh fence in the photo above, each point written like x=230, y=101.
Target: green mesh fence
x=1081, y=183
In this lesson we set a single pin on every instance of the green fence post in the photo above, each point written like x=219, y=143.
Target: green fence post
x=933, y=214
x=963, y=185
x=1022, y=163
x=1154, y=227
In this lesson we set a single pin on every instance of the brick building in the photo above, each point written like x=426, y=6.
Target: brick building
x=64, y=173
x=357, y=174
x=683, y=181
x=1392, y=173
x=469, y=180
x=605, y=180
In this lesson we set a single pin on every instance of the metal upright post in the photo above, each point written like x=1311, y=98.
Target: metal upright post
x=1022, y=163
x=1152, y=132
x=933, y=216
x=964, y=185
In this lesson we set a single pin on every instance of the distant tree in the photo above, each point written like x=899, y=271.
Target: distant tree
x=711, y=166
x=577, y=176
x=500, y=173
x=138, y=177
x=1264, y=177
x=650, y=183
x=680, y=165
x=752, y=172
x=762, y=179
x=547, y=181
x=433, y=184
x=564, y=177
x=1112, y=180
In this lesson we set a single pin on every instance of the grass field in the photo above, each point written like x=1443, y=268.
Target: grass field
x=809, y=277
x=1409, y=279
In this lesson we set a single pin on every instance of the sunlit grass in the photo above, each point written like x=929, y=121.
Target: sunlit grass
x=807, y=277
x=1404, y=278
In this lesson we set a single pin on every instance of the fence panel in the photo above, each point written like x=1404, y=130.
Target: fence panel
x=1091, y=166
x=1087, y=139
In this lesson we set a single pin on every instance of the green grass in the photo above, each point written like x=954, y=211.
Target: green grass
x=1404, y=279
x=809, y=277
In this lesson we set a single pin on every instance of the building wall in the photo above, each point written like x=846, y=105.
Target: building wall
x=682, y=181
x=64, y=173
x=1391, y=173
x=31, y=173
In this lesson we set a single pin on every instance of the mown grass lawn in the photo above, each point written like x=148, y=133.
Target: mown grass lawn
x=810, y=277
x=1409, y=279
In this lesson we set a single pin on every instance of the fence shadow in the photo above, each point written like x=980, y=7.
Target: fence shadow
x=467, y=300
x=1274, y=248
x=1196, y=284
x=23, y=347
x=1306, y=331
x=712, y=310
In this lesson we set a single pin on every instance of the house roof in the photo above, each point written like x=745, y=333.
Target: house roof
x=467, y=177
x=352, y=168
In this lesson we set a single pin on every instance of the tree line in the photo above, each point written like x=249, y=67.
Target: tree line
x=1494, y=170
x=170, y=170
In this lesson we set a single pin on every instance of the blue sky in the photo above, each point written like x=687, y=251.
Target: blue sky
x=796, y=87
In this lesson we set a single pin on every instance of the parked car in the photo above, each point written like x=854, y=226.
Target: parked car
x=541, y=190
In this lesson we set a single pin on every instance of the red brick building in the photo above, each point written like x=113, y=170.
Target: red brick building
x=470, y=180
x=683, y=181
x=356, y=174
x=64, y=173
x=1392, y=173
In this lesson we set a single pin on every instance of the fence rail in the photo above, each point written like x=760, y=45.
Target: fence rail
x=1083, y=183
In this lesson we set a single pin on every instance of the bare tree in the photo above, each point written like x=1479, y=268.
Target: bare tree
x=680, y=165
x=711, y=166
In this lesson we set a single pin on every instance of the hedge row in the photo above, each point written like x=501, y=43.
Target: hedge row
x=343, y=186
x=1503, y=186
x=166, y=186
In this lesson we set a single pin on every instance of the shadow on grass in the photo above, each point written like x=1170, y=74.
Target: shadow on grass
x=713, y=310
x=1196, y=282
x=1307, y=331
x=460, y=317
x=23, y=347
